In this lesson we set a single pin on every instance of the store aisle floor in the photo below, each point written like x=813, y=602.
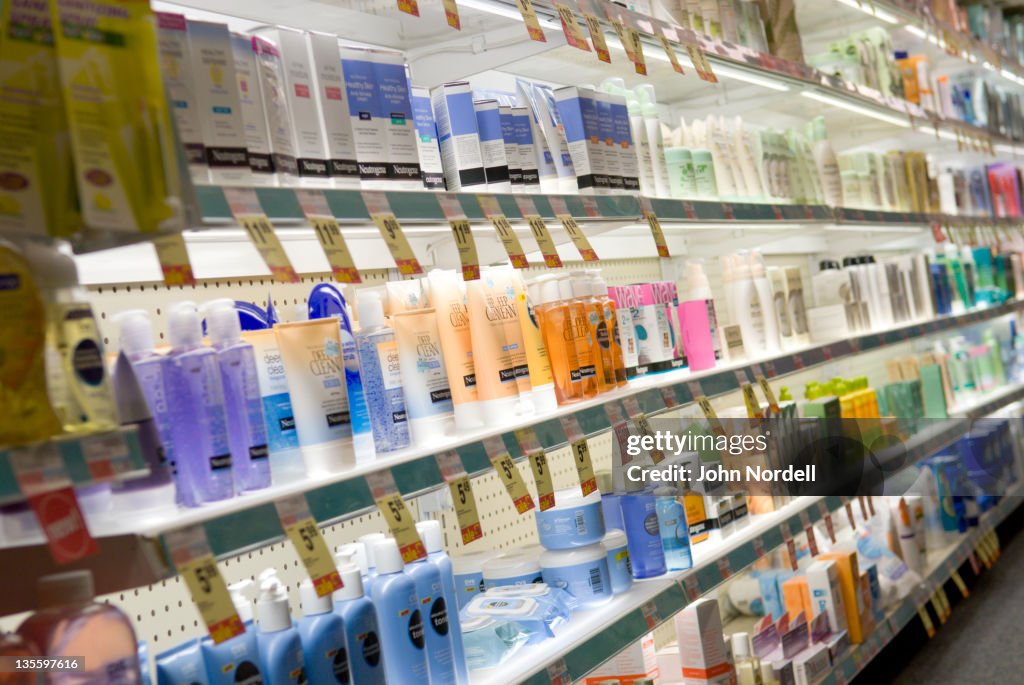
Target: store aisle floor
x=982, y=643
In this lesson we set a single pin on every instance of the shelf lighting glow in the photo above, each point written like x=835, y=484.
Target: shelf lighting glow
x=857, y=109
x=869, y=9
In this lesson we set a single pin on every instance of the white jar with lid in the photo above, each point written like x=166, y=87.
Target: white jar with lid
x=582, y=571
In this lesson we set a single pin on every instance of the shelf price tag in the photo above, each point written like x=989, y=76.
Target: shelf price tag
x=462, y=233
x=812, y=539
x=926, y=620
x=396, y=513
x=643, y=425
x=691, y=587
x=398, y=245
x=671, y=52
x=540, y=232
x=67, y=535
x=106, y=455
x=571, y=28
x=580, y=453
x=787, y=537
x=451, y=14
x=709, y=414
x=328, y=234
x=300, y=527
x=659, y=235
x=510, y=476
x=572, y=228
x=700, y=62
x=173, y=257
x=960, y=584
x=639, y=61
x=724, y=567
x=849, y=512
x=454, y=473
x=513, y=248
x=191, y=555
x=245, y=207
x=531, y=447
x=558, y=673
x=409, y=7
x=827, y=516
x=769, y=394
x=651, y=616
x=621, y=430
x=597, y=38
x=530, y=19
x=752, y=403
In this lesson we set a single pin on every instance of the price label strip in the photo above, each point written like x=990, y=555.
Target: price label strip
x=461, y=488
x=67, y=535
x=328, y=234
x=751, y=401
x=659, y=235
x=191, y=555
x=245, y=207
x=572, y=229
x=787, y=537
x=396, y=513
x=651, y=615
x=709, y=414
x=635, y=42
x=540, y=232
x=451, y=14
x=580, y=454
x=571, y=28
x=812, y=539
x=960, y=584
x=509, y=240
x=621, y=430
x=173, y=257
x=300, y=527
x=398, y=245
x=510, y=476
x=597, y=38
x=530, y=19
x=620, y=31
x=106, y=455
x=558, y=673
x=462, y=233
x=849, y=512
x=39, y=468
x=700, y=63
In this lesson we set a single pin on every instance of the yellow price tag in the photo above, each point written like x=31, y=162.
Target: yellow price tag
x=530, y=19
x=210, y=595
x=409, y=7
x=627, y=45
x=301, y=529
x=462, y=232
x=659, y=235
x=769, y=394
x=939, y=610
x=571, y=28
x=542, y=477
x=584, y=466
x=261, y=233
x=328, y=233
x=750, y=399
x=578, y=238
x=597, y=38
x=639, y=62
x=465, y=509
x=173, y=257
x=397, y=244
x=544, y=241
x=451, y=14
x=700, y=63
x=929, y=627
x=671, y=52
x=402, y=526
x=513, y=248
x=514, y=483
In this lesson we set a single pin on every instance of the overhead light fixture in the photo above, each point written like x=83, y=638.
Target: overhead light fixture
x=870, y=9
x=858, y=109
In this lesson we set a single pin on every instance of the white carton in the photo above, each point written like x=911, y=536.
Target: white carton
x=492, y=145
x=275, y=106
x=257, y=142
x=334, y=114
x=366, y=115
x=403, y=158
x=431, y=168
x=459, y=136
x=176, y=63
x=638, y=660
x=508, y=135
x=826, y=593
x=310, y=145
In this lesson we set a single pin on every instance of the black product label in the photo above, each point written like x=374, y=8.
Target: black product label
x=443, y=395
x=522, y=371
x=603, y=339
x=631, y=183
x=371, y=649
x=496, y=174
x=588, y=371
x=574, y=375
x=506, y=375
x=373, y=171
x=698, y=527
x=472, y=177
x=313, y=167
x=399, y=417
x=515, y=177
x=724, y=517
x=651, y=524
x=227, y=157
x=261, y=163
x=257, y=452
x=195, y=153
x=531, y=177
x=433, y=181
x=220, y=461
x=619, y=182
x=248, y=673
x=404, y=172
x=469, y=380
x=439, y=616
x=740, y=510
x=416, y=629
x=286, y=423
x=586, y=181
x=338, y=418
x=87, y=361
x=286, y=164
x=342, y=673
x=344, y=168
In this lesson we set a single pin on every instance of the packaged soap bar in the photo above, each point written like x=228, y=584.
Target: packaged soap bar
x=125, y=155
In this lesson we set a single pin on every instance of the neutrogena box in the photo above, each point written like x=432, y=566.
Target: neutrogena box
x=492, y=145
x=577, y=111
x=523, y=127
x=403, y=159
x=431, y=169
x=459, y=136
x=176, y=60
x=310, y=146
x=257, y=142
x=364, y=106
x=333, y=107
x=275, y=106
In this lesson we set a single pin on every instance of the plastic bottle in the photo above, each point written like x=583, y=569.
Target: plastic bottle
x=556, y=328
x=640, y=518
x=235, y=660
x=825, y=160
x=600, y=333
x=323, y=638
x=362, y=634
x=575, y=291
x=15, y=646
x=433, y=540
x=641, y=145
x=746, y=306
x=401, y=622
x=748, y=666
x=766, y=302
x=381, y=376
x=655, y=140
x=247, y=432
x=611, y=322
x=69, y=622
x=699, y=333
x=675, y=538
x=197, y=408
x=280, y=647
x=437, y=628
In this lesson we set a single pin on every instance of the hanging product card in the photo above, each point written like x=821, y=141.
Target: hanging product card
x=190, y=553
x=398, y=245
x=751, y=401
x=462, y=233
x=659, y=235
x=926, y=620
x=618, y=423
x=173, y=257
x=960, y=584
x=540, y=232
x=651, y=615
x=787, y=538
x=245, y=207
x=328, y=233
x=409, y=7
x=826, y=515
x=812, y=539
x=597, y=38
x=558, y=673
x=455, y=475
x=639, y=61
x=622, y=33
x=39, y=468
x=580, y=454
x=530, y=19
x=572, y=228
x=849, y=512
x=769, y=394
x=396, y=513
x=300, y=527
x=510, y=241
x=502, y=462
x=571, y=28
x=451, y=14
x=700, y=63
x=531, y=447
x=709, y=413
x=669, y=50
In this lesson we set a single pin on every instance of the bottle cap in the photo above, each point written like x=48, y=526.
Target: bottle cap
x=368, y=541
x=598, y=286
x=272, y=608
x=136, y=332
x=312, y=604
x=351, y=583
x=565, y=288
x=740, y=645
x=430, y=533
x=548, y=291
x=580, y=285
x=240, y=597
x=695, y=276
x=184, y=328
x=371, y=309
x=65, y=589
x=222, y=323
x=387, y=557
x=352, y=553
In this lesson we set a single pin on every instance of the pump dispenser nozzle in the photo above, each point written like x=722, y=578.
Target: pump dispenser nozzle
x=184, y=327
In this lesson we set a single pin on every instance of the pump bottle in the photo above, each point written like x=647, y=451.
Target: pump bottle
x=322, y=633
x=401, y=622
x=362, y=634
x=280, y=647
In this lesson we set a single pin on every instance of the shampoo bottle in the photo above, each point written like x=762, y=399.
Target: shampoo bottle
x=250, y=463
x=698, y=320
x=432, y=536
x=280, y=647
x=235, y=660
x=197, y=408
x=766, y=302
x=675, y=538
x=573, y=290
x=437, y=629
x=362, y=635
x=611, y=322
x=401, y=621
x=322, y=633
x=556, y=328
x=381, y=375
x=600, y=333
x=640, y=518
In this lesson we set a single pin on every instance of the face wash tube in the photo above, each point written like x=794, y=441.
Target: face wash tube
x=311, y=351
x=333, y=107
x=542, y=383
x=448, y=295
x=428, y=396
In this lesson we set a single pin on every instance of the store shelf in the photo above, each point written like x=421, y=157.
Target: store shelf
x=78, y=460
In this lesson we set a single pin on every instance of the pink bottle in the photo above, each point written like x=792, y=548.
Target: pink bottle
x=69, y=623
x=698, y=322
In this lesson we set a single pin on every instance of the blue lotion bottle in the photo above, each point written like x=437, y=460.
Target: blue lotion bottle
x=280, y=647
x=381, y=375
x=675, y=537
x=362, y=634
x=610, y=508
x=370, y=572
x=437, y=628
x=197, y=408
x=247, y=431
x=398, y=613
x=433, y=540
x=235, y=661
x=643, y=537
x=323, y=638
